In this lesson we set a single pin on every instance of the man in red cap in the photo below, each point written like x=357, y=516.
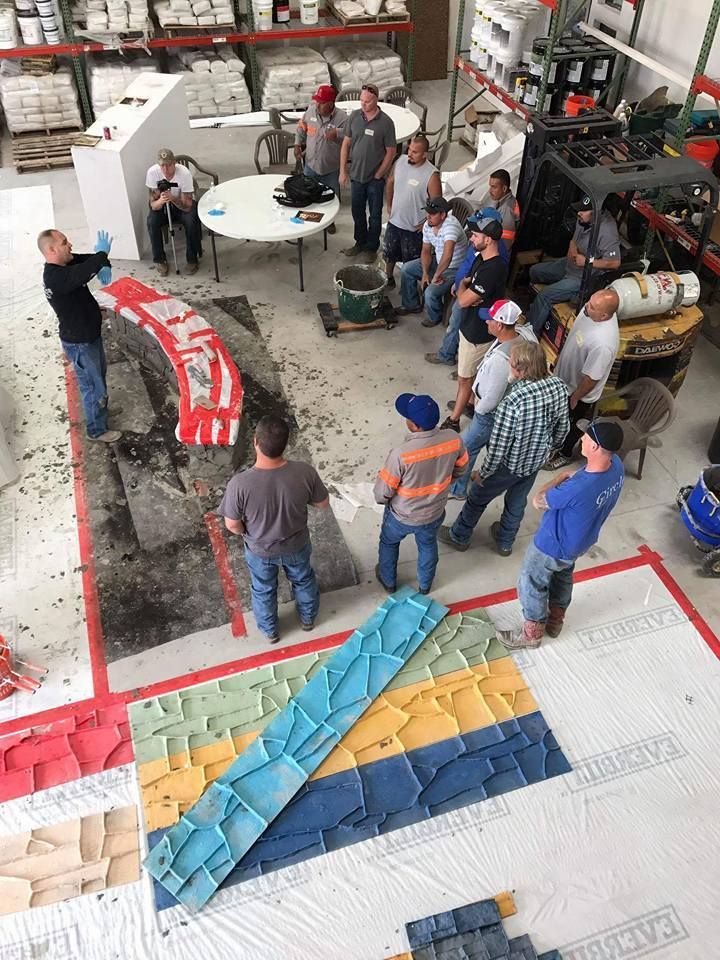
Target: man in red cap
x=319, y=136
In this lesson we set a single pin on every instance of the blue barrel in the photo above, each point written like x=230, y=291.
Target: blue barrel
x=701, y=511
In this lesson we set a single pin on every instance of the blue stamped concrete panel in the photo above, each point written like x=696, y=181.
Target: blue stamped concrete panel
x=462, y=920
x=194, y=857
x=379, y=797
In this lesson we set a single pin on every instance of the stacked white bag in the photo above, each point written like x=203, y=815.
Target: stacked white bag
x=194, y=13
x=111, y=16
x=214, y=81
x=46, y=102
x=352, y=65
x=361, y=9
x=109, y=76
x=289, y=76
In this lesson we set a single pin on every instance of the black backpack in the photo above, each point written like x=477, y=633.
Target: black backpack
x=301, y=191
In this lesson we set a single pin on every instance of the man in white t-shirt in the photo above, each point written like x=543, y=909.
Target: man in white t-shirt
x=179, y=200
x=584, y=364
x=443, y=250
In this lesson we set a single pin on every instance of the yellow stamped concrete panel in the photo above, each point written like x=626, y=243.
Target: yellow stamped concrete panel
x=433, y=709
x=69, y=859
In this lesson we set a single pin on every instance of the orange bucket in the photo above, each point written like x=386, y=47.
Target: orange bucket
x=576, y=104
x=704, y=151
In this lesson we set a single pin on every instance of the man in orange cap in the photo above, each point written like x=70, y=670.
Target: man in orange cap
x=319, y=136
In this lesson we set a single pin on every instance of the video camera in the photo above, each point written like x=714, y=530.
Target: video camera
x=164, y=185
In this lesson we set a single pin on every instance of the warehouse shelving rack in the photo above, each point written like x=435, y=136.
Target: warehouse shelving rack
x=329, y=26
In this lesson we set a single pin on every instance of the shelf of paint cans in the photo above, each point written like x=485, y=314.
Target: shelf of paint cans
x=30, y=24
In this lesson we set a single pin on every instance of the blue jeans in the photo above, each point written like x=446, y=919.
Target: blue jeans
x=560, y=289
x=544, y=582
x=475, y=437
x=157, y=220
x=332, y=179
x=367, y=198
x=410, y=276
x=516, y=491
x=449, y=347
x=392, y=533
x=88, y=360
x=264, y=581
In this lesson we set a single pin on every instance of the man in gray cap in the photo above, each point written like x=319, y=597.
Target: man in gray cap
x=564, y=277
x=172, y=194
x=443, y=250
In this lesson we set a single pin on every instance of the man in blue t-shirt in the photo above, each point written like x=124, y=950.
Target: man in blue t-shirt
x=576, y=505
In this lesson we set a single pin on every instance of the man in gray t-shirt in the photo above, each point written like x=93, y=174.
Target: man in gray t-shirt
x=366, y=156
x=564, y=277
x=267, y=506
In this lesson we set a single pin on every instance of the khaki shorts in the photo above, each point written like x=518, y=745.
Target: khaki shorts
x=469, y=357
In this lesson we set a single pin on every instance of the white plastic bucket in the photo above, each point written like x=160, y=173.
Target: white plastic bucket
x=476, y=43
x=309, y=11
x=8, y=29
x=264, y=14
x=31, y=29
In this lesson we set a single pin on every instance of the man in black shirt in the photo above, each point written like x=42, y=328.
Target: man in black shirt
x=65, y=278
x=487, y=279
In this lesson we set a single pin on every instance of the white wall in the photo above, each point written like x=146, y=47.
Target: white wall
x=671, y=31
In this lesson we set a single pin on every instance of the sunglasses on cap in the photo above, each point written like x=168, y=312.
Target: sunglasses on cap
x=592, y=433
x=371, y=88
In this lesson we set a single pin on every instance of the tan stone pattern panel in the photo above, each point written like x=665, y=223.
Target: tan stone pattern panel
x=69, y=859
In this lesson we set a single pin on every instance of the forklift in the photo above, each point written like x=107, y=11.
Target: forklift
x=567, y=158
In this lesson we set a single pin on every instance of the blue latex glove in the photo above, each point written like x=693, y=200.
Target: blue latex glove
x=105, y=276
x=104, y=242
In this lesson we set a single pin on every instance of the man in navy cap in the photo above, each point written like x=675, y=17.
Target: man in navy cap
x=413, y=485
x=576, y=506
x=563, y=278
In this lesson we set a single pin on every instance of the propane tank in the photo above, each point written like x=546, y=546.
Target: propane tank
x=644, y=295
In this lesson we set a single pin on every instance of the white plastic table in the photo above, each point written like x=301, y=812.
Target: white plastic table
x=251, y=213
x=406, y=122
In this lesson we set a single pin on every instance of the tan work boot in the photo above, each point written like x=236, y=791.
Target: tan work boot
x=110, y=436
x=191, y=268
x=530, y=635
x=162, y=268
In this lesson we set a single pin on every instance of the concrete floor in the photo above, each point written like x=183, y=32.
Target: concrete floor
x=343, y=391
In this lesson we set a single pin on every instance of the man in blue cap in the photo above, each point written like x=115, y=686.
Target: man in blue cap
x=413, y=485
x=465, y=299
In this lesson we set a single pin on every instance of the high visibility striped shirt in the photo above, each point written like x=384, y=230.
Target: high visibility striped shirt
x=415, y=480
x=509, y=209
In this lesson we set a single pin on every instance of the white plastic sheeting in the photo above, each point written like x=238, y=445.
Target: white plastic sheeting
x=617, y=859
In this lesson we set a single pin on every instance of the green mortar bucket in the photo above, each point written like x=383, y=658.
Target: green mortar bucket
x=360, y=293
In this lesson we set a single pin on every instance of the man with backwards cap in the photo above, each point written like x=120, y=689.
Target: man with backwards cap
x=444, y=245
x=464, y=299
x=319, y=136
x=576, y=506
x=564, y=277
x=180, y=201
x=486, y=282
x=413, y=485
x=491, y=383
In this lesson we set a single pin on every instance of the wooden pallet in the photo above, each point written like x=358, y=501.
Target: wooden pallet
x=333, y=324
x=366, y=18
x=173, y=31
x=43, y=149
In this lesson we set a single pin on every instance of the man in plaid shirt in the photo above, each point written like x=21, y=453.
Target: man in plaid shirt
x=529, y=422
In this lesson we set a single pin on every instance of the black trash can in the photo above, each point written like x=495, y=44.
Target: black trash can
x=714, y=448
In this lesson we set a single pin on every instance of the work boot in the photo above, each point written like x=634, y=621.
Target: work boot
x=445, y=536
x=391, y=284
x=272, y=637
x=382, y=582
x=530, y=636
x=368, y=256
x=469, y=410
x=353, y=251
x=555, y=620
x=495, y=532
x=450, y=424
x=434, y=358
x=427, y=322
x=110, y=436
x=407, y=311
x=162, y=268
x=307, y=626
x=191, y=268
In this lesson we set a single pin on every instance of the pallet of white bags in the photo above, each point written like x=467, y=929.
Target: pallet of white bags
x=367, y=17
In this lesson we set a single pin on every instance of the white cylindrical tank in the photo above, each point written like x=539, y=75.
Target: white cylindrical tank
x=653, y=293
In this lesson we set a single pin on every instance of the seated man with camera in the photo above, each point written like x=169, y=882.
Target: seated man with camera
x=172, y=201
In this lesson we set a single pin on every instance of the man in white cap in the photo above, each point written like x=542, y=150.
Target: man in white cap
x=576, y=506
x=172, y=193
x=491, y=383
